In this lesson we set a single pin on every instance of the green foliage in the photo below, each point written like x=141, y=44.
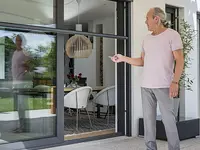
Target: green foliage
x=51, y=59
x=187, y=35
x=9, y=49
x=47, y=60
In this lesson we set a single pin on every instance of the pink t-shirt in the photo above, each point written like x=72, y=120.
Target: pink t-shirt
x=158, y=59
x=18, y=60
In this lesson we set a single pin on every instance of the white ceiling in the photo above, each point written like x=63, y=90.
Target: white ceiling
x=41, y=11
x=26, y=11
x=89, y=10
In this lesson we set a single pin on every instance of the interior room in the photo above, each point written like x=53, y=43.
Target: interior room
x=96, y=68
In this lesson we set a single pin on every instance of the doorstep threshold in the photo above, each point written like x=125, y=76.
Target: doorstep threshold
x=88, y=134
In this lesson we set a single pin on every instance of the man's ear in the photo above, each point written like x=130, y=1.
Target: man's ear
x=156, y=18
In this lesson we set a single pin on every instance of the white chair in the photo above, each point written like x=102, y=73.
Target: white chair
x=78, y=99
x=106, y=97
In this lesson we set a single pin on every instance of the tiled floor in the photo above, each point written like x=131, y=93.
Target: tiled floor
x=125, y=143
x=98, y=124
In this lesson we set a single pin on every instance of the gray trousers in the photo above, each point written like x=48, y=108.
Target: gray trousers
x=21, y=106
x=20, y=102
x=150, y=97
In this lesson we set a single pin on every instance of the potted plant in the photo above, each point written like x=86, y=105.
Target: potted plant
x=73, y=79
x=187, y=34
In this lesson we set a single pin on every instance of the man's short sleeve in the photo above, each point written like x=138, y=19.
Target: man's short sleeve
x=143, y=46
x=176, y=42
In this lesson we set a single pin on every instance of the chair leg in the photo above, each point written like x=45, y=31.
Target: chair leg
x=89, y=118
x=108, y=115
x=79, y=111
x=70, y=112
x=65, y=112
x=77, y=114
x=94, y=112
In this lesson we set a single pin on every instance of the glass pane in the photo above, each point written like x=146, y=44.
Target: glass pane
x=27, y=77
x=31, y=12
x=94, y=69
x=169, y=18
x=91, y=14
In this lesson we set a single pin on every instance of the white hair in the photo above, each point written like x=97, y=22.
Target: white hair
x=22, y=37
x=161, y=14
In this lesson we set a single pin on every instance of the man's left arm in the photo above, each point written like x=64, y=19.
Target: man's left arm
x=177, y=50
x=179, y=59
x=174, y=87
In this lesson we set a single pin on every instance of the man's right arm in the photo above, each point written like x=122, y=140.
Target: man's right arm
x=135, y=61
x=132, y=61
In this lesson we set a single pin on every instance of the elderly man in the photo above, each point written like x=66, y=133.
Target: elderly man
x=160, y=83
x=20, y=80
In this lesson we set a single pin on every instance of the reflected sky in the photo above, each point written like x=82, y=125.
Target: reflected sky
x=33, y=40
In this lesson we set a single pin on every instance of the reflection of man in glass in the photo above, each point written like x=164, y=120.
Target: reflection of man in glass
x=19, y=71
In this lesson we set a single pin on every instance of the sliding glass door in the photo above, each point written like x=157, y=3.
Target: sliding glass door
x=90, y=80
x=38, y=59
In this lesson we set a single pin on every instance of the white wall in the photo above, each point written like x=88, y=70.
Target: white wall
x=108, y=50
x=139, y=30
x=191, y=7
x=87, y=66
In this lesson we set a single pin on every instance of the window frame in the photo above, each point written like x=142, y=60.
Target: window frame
x=174, y=12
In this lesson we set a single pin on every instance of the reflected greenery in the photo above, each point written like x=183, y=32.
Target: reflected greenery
x=42, y=56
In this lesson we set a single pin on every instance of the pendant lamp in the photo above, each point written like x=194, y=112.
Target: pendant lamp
x=78, y=46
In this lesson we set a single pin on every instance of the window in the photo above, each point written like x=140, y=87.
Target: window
x=172, y=14
x=27, y=71
x=30, y=12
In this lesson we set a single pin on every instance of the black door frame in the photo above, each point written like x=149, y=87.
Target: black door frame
x=124, y=86
x=123, y=39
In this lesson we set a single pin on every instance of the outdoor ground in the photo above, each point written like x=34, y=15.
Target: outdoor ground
x=126, y=143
